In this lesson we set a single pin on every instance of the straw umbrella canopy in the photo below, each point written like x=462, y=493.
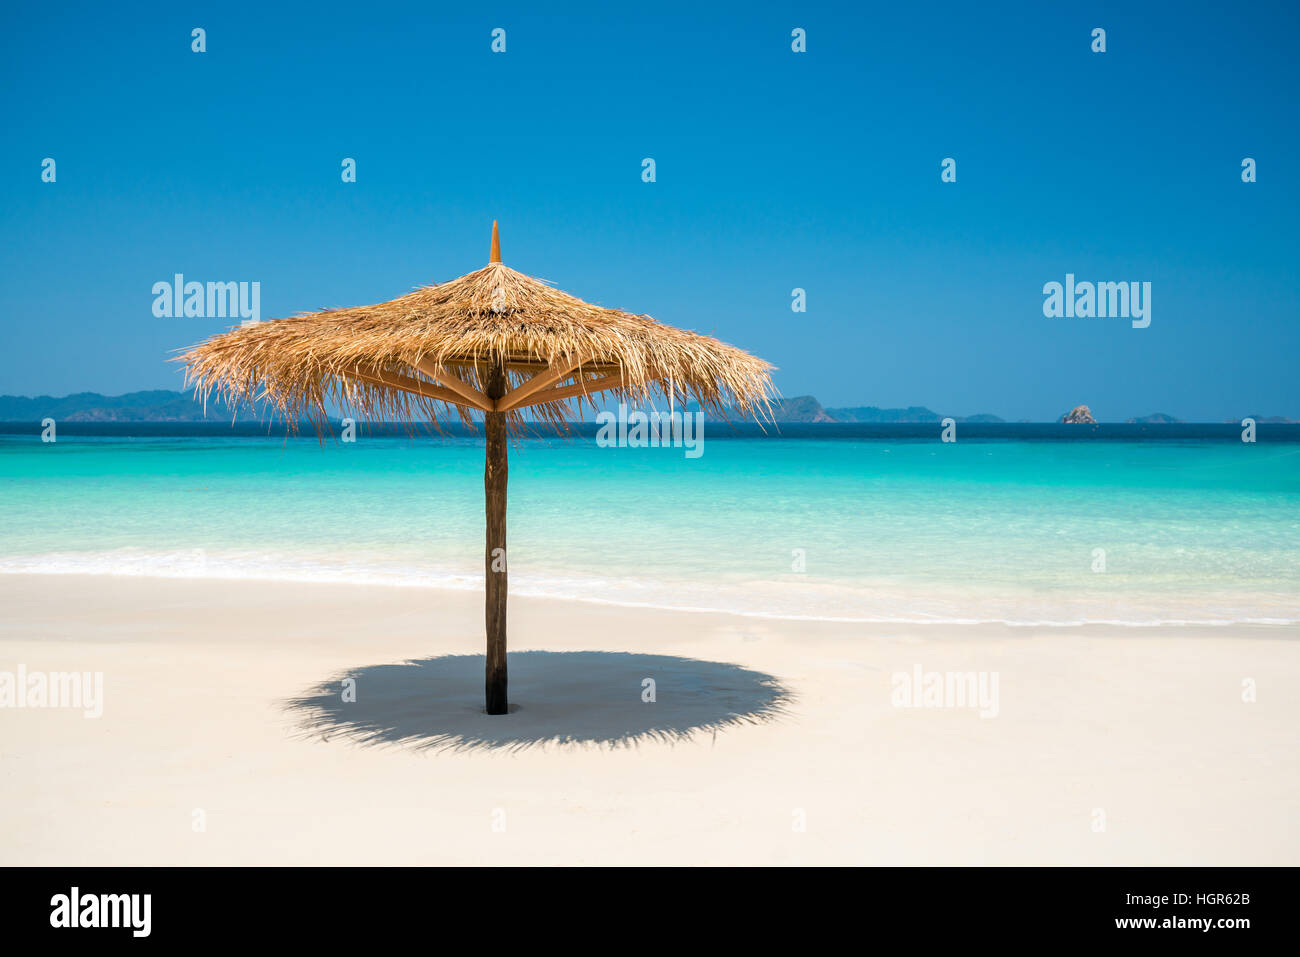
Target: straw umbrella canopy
x=494, y=343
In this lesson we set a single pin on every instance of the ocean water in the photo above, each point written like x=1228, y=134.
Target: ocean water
x=853, y=523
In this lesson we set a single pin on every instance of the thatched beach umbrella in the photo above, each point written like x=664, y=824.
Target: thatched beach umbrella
x=493, y=342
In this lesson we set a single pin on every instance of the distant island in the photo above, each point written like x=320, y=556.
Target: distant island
x=1079, y=415
x=161, y=405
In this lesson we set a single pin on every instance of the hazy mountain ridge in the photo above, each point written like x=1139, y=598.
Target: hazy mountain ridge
x=158, y=405
x=161, y=405
x=806, y=408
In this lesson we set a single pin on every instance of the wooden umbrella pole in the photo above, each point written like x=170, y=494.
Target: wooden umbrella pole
x=494, y=487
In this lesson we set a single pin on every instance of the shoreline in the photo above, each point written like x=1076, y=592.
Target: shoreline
x=221, y=698
x=473, y=583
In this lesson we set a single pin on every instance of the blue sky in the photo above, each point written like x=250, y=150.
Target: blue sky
x=775, y=170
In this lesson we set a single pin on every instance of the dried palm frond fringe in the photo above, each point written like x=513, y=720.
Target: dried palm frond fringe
x=411, y=358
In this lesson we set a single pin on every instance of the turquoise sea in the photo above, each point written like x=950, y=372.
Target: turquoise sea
x=1020, y=524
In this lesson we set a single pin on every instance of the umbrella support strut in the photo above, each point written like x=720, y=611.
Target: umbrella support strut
x=494, y=487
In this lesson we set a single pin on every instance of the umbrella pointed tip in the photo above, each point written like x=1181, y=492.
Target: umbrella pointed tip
x=496, y=244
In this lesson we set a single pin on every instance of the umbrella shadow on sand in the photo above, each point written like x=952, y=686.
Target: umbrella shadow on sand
x=578, y=698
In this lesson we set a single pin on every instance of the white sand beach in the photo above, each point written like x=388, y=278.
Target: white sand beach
x=1109, y=746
